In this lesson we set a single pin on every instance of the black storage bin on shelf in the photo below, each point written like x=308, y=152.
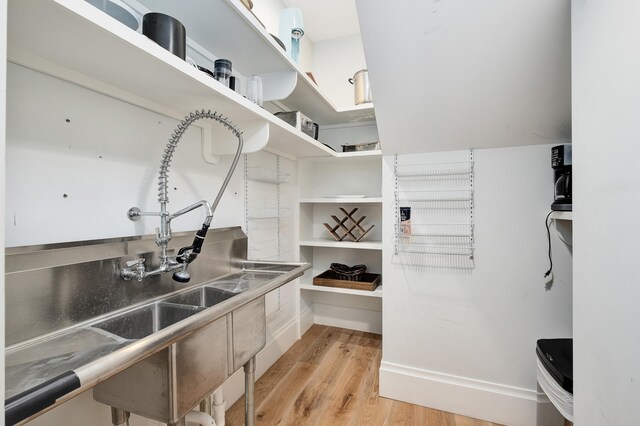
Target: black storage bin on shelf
x=556, y=356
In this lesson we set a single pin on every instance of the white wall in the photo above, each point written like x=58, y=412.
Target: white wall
x=334, y=62
x=105, y=159
x=606, y=107
x=464, y=341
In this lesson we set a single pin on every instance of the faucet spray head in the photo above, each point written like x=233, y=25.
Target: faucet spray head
x=182, y=276
x=186, y=255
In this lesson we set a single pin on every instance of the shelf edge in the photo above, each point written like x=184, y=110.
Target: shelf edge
x=558, y=215
x=377, y=293
x=376, y=245
x=327, y=200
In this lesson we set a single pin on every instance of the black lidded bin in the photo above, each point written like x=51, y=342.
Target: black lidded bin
x=167, y=31
x=557, y=357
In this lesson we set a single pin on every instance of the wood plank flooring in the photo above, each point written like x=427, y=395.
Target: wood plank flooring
x=330, y=377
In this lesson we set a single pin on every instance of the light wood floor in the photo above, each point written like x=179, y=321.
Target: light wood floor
x=330, y=377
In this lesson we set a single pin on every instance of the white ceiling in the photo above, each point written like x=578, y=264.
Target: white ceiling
x=449, y=75
x=327, y=19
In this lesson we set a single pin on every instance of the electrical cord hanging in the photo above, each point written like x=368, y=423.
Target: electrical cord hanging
x=546, y=224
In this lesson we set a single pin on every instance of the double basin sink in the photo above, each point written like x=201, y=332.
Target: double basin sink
x=158, y=359
x=166, y=385
x=152, y=318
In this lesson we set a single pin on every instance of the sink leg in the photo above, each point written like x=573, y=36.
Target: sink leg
x=249, y=388
x=119, y=417
x=205, y=404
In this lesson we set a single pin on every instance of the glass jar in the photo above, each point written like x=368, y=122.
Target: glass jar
x=222, y=71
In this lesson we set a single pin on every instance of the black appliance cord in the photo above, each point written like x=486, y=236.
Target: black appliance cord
x=546, y=224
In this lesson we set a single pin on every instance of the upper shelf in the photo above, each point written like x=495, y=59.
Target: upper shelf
x=97, y=52
x=227, y=29
x=325, y=242
x=375, y=293
x=561, y=215
x=374, y=153
x=341, y=200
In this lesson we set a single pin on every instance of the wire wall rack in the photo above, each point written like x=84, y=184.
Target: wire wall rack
x=436, y=170
x=267, y=213
x=434, y=213
x=265, y=175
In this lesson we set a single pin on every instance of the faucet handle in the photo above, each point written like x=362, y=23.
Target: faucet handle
x=136, y=262
x=134, y=213
x=133, y=269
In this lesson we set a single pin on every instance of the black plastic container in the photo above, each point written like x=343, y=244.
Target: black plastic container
x=557, y=357
x=167, y=31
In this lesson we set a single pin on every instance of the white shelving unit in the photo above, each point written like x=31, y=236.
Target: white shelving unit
x=269, y=194
x=99, y=53
x=325, y=185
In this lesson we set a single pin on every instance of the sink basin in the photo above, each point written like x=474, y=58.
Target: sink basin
x=268, y=267
x=147, y=320
x=203, y=297
x=169, y=383
x=244, y=280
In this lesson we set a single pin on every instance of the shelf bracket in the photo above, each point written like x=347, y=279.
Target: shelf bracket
x=278, y=85
x=216, y=141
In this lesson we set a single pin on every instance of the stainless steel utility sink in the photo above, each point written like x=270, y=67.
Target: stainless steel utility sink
x=170, y=382
x=203, y=297
x=147, y=320
x=155, y=348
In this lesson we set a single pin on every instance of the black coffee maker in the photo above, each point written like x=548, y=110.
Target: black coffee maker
x=561, y=164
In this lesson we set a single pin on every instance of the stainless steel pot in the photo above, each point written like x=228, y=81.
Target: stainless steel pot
x=362, y=87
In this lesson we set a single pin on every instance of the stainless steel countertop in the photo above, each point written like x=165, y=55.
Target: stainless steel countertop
x=94, y=354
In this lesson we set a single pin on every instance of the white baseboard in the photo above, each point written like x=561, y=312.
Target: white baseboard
x=306, y=320
x=474, y=398
x=277, y=344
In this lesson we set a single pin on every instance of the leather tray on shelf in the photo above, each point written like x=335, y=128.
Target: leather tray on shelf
x=366, y=281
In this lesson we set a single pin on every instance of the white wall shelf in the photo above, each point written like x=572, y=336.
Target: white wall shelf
x=561, y=216
x=374, y=153
x=342, y=200
x=564, y=226
x=375, y=293
x=99, y=53
x=227, y=29
x=361, y=245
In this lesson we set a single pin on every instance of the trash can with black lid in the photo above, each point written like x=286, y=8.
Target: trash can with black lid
x=555, y=373
x=557, y=357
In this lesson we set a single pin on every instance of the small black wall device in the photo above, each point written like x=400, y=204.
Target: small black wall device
x=561, y=163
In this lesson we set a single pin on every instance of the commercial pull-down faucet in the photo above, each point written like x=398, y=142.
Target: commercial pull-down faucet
x=136, y=268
